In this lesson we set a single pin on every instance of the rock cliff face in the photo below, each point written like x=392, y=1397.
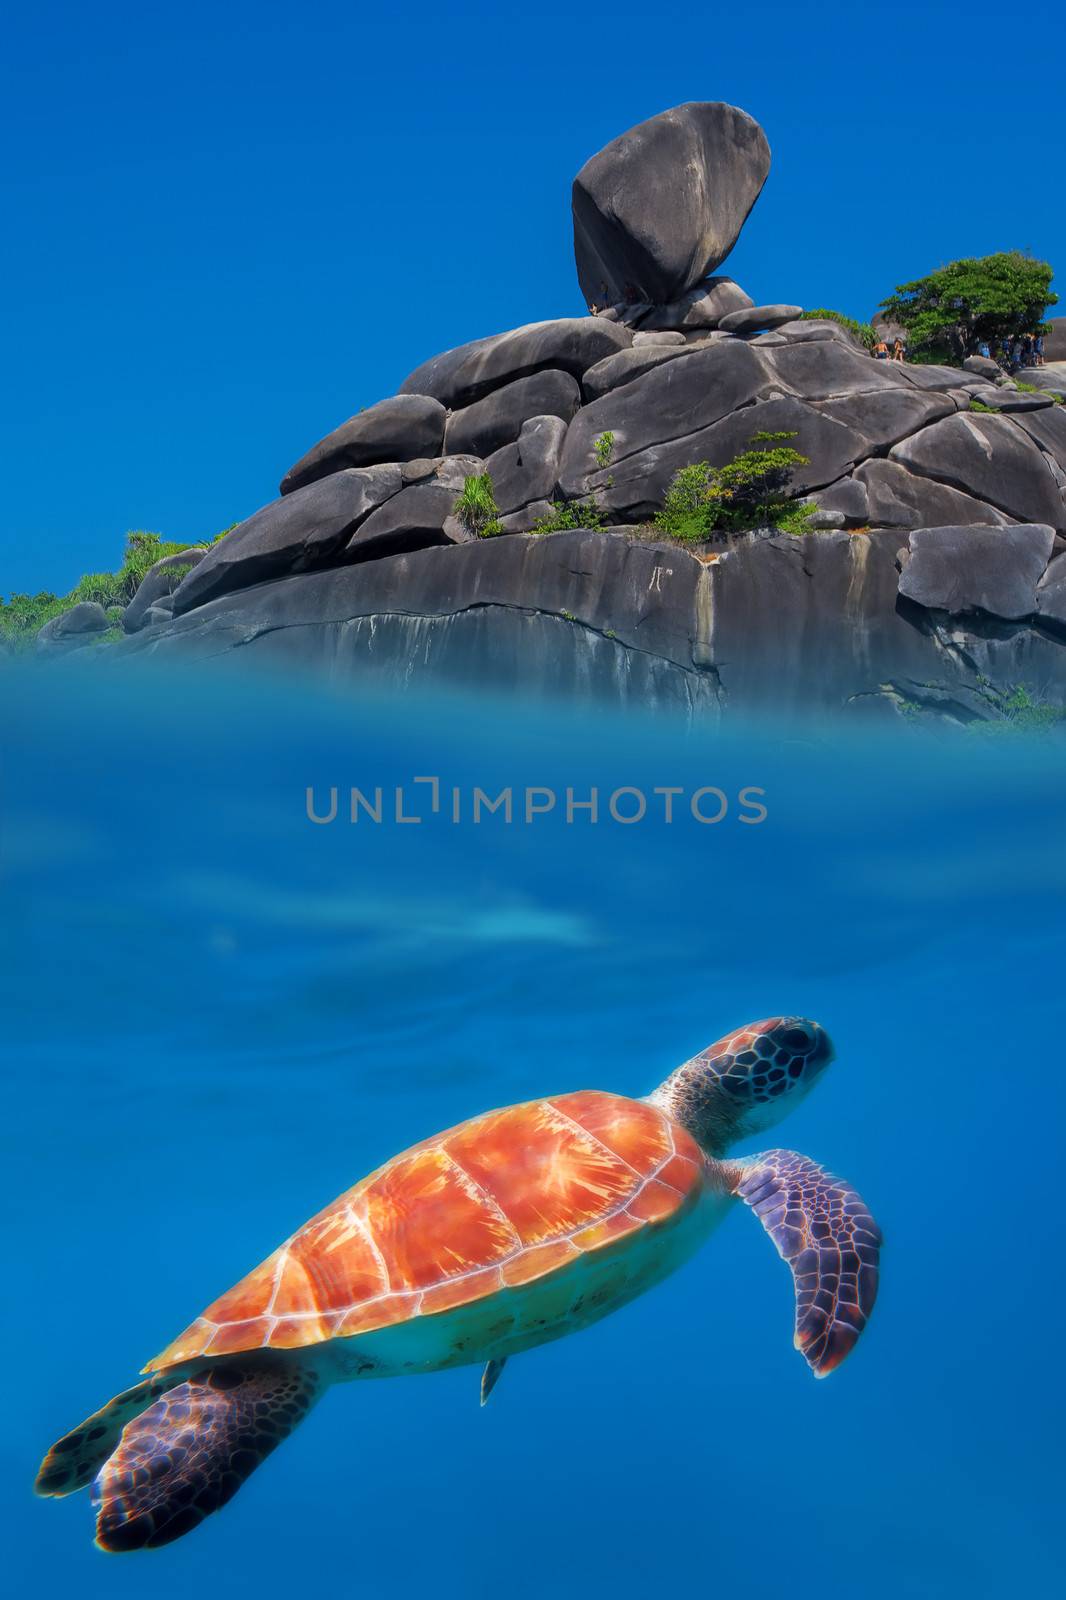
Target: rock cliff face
x=936, y=575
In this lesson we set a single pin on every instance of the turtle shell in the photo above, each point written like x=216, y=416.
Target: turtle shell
x=496, y=1202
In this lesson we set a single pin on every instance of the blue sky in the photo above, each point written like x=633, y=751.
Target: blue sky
x=228, y=226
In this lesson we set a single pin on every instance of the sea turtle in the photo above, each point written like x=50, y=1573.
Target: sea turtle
x=511, y=1229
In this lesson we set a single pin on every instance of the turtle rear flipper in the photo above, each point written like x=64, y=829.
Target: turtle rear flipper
x=190, y=1451
x=823, y=1229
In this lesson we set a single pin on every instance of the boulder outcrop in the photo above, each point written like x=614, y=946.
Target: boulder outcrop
x=931, y=574
x=393, y=430
x=661, y=206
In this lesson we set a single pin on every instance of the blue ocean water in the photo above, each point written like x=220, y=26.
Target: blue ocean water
x=219, y=1014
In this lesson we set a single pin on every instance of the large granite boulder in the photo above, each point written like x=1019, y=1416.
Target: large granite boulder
x=634, y=487
x=303, y=529
x=701, y=307
x=570, y=344
x=528, y=470
x=399, y=429
x=991, y=570
x=816, y=330
x=497, y=420
x=671, y=401
x=931, y=377
x=1051, y=379
x=622, y=368
x=901, y=499
x=1048, y=430
x=758, y=319
x=419, y=516
x=659, y=207
x=991, y=458
x=824, y=369
x=158, y=584
x=984, y=367
x=1051, y=596
x=1010, y=400
x=73, y=629
x=889, y=415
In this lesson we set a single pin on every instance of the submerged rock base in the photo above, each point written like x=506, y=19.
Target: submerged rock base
x=813, y=624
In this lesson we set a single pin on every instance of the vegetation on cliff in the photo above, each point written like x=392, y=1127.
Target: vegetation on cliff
x=751, y=491
x=21, y=615
x=949, y=313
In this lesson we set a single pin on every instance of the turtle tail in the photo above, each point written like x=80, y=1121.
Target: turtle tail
x=183, y=1449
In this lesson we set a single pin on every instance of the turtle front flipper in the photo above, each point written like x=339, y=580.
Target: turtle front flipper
x=190, y=1452
x=74, y=1460
x=823, y=1229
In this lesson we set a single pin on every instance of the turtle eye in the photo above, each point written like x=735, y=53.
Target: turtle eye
x=796, y=1038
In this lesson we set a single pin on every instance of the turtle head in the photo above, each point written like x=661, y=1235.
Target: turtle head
x=747, y=1081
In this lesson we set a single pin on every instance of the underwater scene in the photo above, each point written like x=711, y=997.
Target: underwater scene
x=225, y=1002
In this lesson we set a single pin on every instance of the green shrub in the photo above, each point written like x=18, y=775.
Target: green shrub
x=568, y=514
x=106, y=588
x=603, y=447
x=862, y=331
x=1018, y=711
x=686, y=512
x=179, y=570
x=476, y=507
x=748, y=492
x=795, y=518
x=22, y=616
x=979, y=405
x=932, y=355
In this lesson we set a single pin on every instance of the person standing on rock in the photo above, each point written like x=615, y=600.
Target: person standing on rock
x=880, y=350
x=897, y=350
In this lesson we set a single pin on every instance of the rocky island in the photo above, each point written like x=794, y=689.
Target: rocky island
x=927, y=570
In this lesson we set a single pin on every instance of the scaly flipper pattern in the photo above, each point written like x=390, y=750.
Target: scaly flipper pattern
x=74, y=1460
x=190, y=1452
x=823, y=1229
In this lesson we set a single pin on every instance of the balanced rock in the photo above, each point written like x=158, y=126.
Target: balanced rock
x=399, y=429
x=659, y=207
x=497, y=420
x=994, y=570
x=758, y=319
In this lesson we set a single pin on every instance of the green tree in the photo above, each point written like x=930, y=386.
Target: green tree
x=751, y=491
x=983, y=298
